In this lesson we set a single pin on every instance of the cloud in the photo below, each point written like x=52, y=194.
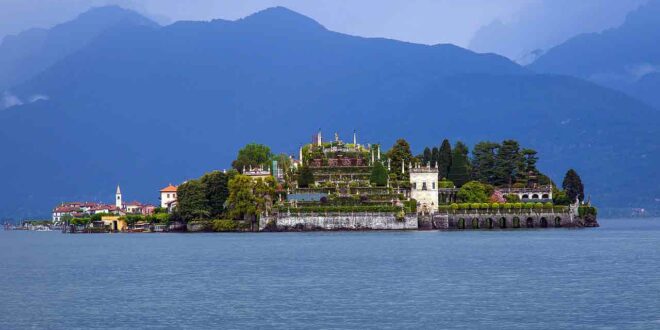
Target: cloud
x=9, y=100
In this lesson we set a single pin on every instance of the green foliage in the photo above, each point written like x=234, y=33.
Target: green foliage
x=548, y=205
x=224, y=225
x=305, y=177
x=510, y=164
x=444, y=183
x=379, y=175
x=473, y=192
x=249, y=198
x=483, y=161
x=400, y=153
x=560, y=198
x=573, y=186
x=192, y=201
x=459, y=171
x=587, y=210
x=512, y=198
x=444, y=159
x=216, y=190
x=252, y=155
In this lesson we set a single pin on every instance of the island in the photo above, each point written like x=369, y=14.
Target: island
x=338, y=185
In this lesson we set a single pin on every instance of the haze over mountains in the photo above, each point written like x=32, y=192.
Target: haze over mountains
x=143, y=105
x=625, y=58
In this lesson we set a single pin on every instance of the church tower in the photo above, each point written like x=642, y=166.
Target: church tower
x=118, y=201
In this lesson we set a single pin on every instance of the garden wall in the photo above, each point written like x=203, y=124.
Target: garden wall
x=337, y=221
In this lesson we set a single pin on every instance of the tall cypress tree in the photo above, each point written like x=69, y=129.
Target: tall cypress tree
x=573, y=186
x=434, y=156
x=444, y=159
x=459, y=171
x=426, y=156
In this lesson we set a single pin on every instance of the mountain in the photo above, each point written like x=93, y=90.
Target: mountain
x=619, y=58
x=28, y=53
x=143, y=106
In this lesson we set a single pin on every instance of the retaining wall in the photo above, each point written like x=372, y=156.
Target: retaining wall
x=345, y=221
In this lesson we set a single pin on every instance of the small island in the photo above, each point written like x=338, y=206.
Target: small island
x=337, y=185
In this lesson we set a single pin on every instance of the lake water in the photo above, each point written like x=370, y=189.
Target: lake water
x=604, y=278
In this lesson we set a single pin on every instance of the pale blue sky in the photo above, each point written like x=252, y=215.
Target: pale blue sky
x=520, y=25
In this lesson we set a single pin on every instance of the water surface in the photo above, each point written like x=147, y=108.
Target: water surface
x=605, y=278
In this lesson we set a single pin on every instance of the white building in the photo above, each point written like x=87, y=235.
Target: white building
x=424, y=188
x=168, y=197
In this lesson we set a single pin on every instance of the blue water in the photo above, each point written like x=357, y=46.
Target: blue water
x=605, y=278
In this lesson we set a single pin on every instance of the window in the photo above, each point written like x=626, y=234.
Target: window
x=168, y=195
x=433, y=185
x=423, y=185
x=414, y=185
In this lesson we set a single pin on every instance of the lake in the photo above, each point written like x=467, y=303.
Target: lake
x=603, y=278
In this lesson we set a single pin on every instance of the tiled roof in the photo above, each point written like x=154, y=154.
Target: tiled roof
x=169, y=188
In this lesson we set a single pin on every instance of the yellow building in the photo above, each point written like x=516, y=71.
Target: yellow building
x=114, y=223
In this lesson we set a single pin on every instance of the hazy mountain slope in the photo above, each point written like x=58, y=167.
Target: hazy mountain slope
x=28, y=53
x=187, y=96
x=617, y=58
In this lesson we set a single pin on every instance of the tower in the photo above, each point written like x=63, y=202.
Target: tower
x=118, y=201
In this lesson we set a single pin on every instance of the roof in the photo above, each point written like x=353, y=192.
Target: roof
x=169, y=188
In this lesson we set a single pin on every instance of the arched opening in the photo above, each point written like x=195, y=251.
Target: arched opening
x=544, y=223
x=557, y=222
x=461, y=223
x=530, y=223
x=475, y=223
x=546, y=196
x=525, y=196
x=502, y=223
x=516, y=222
x=535, y=196
x=489, y=223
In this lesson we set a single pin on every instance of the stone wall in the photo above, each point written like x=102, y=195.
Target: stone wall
x=506, y=220
x=346, y=221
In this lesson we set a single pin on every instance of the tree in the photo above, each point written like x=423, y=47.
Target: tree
x=192, y=203
x=444, y=159
x=252, y=155
x=426, y=156
x=530, y=157
x=473, y=192
x=510, y=164
x=216, y=190
x=573, y=186
x=241, y=201
x=434, y=156
x=399, y=154
x=459, y=171
x=305, y=177
x=250, y=198
x=379, y=175
x=484, y=158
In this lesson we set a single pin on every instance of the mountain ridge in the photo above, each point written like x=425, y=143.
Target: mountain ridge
x=189, y=95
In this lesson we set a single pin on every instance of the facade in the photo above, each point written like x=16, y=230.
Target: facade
x=534, y=194
x=168, y=197
x=424, y=188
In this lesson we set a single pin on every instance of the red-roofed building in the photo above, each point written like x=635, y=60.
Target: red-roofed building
x=168, y=197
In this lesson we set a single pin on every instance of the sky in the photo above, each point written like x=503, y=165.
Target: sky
x=508, y=27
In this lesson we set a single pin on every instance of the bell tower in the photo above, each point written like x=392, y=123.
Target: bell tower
x=118, y=201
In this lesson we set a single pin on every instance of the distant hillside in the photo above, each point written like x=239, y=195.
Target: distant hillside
x=144, y=106
x=619, y=58
x=28, y=53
